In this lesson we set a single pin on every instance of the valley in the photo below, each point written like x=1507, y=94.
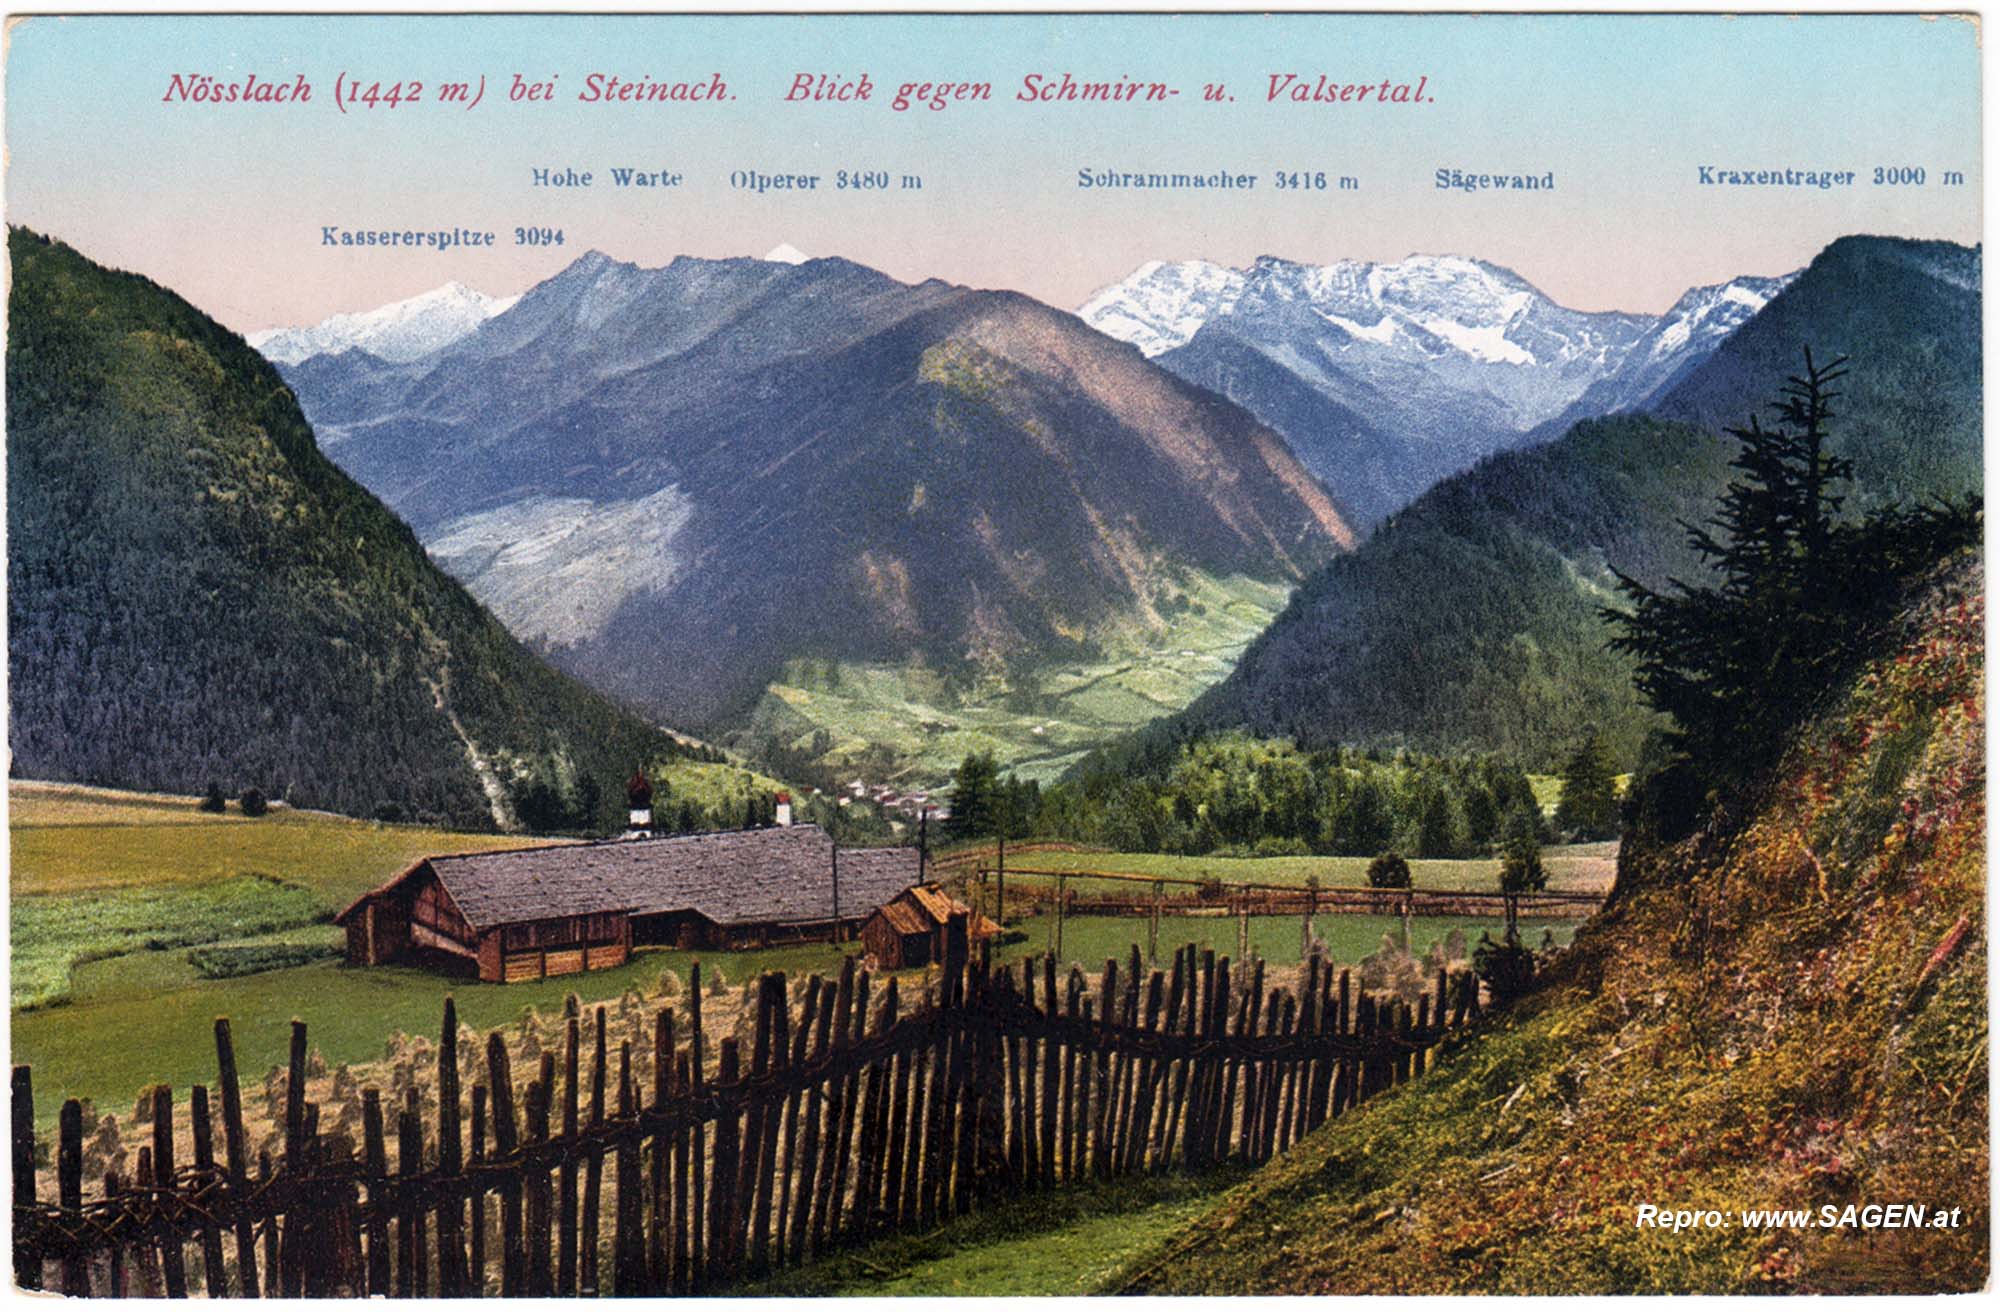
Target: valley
x=918, y=725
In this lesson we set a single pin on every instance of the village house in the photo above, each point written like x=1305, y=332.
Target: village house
x=907, y=931
x=533, y=912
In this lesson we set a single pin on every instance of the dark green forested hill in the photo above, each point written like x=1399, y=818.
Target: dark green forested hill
x=1469, y=622
x=1909, y=413
x=196, y=594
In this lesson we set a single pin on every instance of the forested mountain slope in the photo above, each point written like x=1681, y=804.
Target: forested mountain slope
x=196, y=594
x=1469, y=621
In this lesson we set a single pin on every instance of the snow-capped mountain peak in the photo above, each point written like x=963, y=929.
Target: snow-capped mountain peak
x=400, y=331
x=1161, y=305
x=1409, y=370
x=786, y=253
x=1679, y=340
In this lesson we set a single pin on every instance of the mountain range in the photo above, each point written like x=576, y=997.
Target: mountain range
x=1470, y=620
x=1387, y=377
x=722, y=489
x=1015, y=532
x=400, y=331
x=197, y=595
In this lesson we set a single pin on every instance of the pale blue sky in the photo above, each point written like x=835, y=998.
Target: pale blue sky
x=224, y=203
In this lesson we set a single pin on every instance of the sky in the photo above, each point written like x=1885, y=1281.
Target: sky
x=227, y=203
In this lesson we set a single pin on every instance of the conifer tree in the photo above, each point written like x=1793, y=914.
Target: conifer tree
x=1589, y=805
x=975, y=807
x=1797, y=599
x=1521, y=869
x=1732, y=662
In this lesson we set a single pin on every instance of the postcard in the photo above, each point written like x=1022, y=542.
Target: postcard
x=960, y=654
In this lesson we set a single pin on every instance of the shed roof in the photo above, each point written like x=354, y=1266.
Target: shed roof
x=902, y=917
x=777, y=875
x=922, y=908
x=937, y=902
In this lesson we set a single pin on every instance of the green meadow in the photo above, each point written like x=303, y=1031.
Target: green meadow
x=138, y=920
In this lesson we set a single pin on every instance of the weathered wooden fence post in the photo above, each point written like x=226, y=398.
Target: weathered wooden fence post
x=1153, y=925
x=215, y=1282
x=27, y=1256
x=761, y=1126
x=593, y=1166
x=1062, y=910
x=535, y=1182
x=451, y=1273
x=659, y=1215
x=788, y=1220
x=69, y=1187
x=506, y=1141
x=629, y=1253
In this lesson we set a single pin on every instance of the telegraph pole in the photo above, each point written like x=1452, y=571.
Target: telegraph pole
x=924, y=845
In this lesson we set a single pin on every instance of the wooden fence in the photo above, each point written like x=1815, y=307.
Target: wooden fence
x=839, y=1128
x=1039, y=888
x=965, y=860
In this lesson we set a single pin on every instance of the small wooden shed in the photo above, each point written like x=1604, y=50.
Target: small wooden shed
x=907, y=931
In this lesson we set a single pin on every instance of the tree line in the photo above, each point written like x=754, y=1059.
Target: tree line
x=1230, y=794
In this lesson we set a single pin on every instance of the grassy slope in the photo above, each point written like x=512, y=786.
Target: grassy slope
x=1042, y=1245
x=69, y=840
x=96, y=874
x=1737, y=1033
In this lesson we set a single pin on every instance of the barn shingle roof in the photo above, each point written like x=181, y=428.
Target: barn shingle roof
x=781, y=875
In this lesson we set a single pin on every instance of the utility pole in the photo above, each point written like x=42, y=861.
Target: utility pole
x=1062, y=897
x=1312, y=908
x=1153, y=926
x=924, y=846
x=1000, y=895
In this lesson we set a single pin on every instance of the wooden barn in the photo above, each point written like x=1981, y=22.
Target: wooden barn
x=533, y=912
x=908, y=930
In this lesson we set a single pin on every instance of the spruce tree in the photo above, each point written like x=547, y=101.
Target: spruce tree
x=1732, y=662
x=974, y=797
x=1797, y=597
x=1521, y=869
x=1589, y=805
